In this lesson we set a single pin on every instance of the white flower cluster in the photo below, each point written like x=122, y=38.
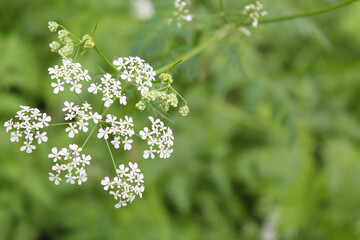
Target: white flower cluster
x=160, y=138
x=31, y=120
x=126, y=186
x=253, y=12
x=181, y=13
x=71, y=162
x=70, y=73
x=110, y=89
x=136, y=70
x=122, y=130
x=82, y=115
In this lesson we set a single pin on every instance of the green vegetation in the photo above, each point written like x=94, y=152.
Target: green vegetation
x=271, y=142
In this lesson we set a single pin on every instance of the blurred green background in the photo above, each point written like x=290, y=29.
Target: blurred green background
x=270, y=149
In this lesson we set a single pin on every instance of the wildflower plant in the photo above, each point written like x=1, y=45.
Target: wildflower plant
x=117, y=131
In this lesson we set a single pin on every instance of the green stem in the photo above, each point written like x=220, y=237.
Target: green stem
x=111, y=155
x=59, y=124
x=106, y=60
x=300, y=15
x=81, y=99
x=220, y=34
x=223, y=32
x=87, y=139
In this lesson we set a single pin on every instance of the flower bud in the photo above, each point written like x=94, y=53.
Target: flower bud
x=165, y=77
x=54, y=46
x=52, y=26
x=140, y=105
x=184, y=110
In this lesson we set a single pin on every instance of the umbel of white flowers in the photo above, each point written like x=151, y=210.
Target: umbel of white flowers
x=70, y=163
x=253, y=12
x=181, y=13
x=28, y=127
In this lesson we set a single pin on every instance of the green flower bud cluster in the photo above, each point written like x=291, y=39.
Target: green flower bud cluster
x=165, y=77
x=165, y=96
x=184, y=110
x=88, y=41
x=164, y=99
x=53, y=26
x=66, y=46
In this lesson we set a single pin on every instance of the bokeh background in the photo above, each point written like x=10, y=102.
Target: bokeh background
x=270, y=150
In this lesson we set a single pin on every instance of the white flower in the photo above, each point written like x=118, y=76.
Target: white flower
x=116, y=142
x=159, y=138
x=149, y=153
x=127, y=143
x=127, y=184
x=107, y=183
x=70, y=178
x=9, y=125
x=55, y=154
x=94, y=88
x=103, y=133
x=15, y=136
x=68, y=106
x=82, y=115
x=253, y=12
x=134, y=167
x=73, y=166
x=58, y=86
x=54, y=178
x=41, y=137
x=70, y=73
x=122, y=100
x=28, y=147
x=30, y=121
x=72, y=130
x=181, y=13
x=122, y=170
x=85, y=159
x=120, y=204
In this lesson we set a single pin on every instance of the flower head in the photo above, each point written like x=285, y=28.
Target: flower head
x=31, y=121
x=127, y=184
x=70, y=162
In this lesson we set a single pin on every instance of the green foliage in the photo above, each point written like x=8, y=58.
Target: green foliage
x=273, y=126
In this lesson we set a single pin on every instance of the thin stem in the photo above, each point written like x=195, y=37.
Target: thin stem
x=81, y=99
x=59, y=124
x=111, y=155
x=223, y=32
x=106, y=60
x=300, y=15
x=105, y=110
x=178, y=95
x=88, y=137
x=220, y=34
